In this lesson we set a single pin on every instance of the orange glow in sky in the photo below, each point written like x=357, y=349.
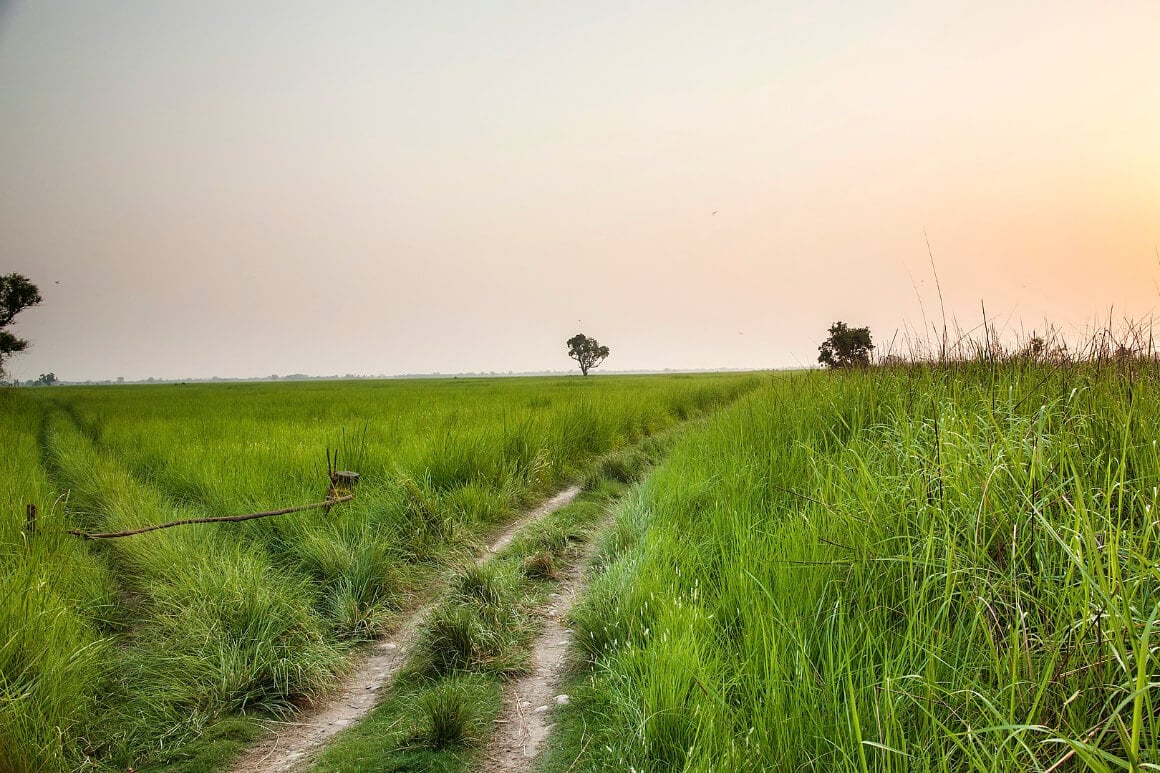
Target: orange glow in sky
x=281, y=187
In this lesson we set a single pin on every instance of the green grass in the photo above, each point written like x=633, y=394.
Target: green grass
x=907, y=569
x=134, y=652
x=430, y=726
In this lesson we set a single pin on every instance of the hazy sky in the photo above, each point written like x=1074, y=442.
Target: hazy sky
x=225, y=188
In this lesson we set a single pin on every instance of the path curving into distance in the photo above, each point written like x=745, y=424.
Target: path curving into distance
x=292, y=745
x=526, y=720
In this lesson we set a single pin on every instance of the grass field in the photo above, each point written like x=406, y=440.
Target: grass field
x=917, y=568
x=148, y=649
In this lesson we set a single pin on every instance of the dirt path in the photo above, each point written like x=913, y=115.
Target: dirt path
x=291, y=745
x=526, y=721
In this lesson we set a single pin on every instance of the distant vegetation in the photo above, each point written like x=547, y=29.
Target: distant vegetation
x=846, y=347
x=588, y=352
x=16, y=295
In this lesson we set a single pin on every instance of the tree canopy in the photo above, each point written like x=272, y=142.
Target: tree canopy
x=586, y=351
x=847, y=347
x=16, y=295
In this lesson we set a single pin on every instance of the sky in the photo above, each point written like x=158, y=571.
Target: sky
x=245, y=189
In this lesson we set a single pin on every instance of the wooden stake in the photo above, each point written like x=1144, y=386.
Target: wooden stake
x=30, y=521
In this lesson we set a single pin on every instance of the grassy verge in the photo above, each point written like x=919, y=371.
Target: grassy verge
x=934, y=569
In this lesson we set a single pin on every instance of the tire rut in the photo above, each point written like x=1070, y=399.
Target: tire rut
x=526, y=720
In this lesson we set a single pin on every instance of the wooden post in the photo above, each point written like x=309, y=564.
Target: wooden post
x=30, y=521
x=342, y=482
x=347, y=478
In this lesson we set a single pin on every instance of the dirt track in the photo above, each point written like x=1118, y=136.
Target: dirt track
x=526, y=721
x=291, y=746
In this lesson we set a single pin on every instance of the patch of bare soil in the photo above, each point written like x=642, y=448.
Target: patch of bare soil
x=504, y=538
x=526, y=721
x=291, y=746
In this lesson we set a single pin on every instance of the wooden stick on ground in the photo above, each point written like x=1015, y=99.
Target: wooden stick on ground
x=215, y=519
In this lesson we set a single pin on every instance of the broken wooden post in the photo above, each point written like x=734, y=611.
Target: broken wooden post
x=342, y=483
x=345, y=478
x=30, y=520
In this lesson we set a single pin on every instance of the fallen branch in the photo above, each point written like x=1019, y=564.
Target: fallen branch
x=215, y=519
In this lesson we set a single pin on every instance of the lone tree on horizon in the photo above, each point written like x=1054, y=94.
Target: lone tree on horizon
x=847, y=347
x=586, y=351
x=16, y=295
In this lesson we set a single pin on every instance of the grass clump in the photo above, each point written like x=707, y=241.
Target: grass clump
x=357, y=569
x=449, y=714
x=426, y=525
x=493, y=584
x=226, y=640
x=428, y=725
x=540, y=566
x=457, y=639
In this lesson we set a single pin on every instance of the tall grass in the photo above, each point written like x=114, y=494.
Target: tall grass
x=917, y=568
x=55, y=603
x=119, y=653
